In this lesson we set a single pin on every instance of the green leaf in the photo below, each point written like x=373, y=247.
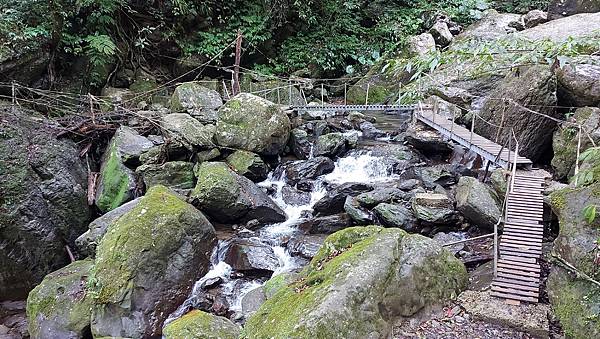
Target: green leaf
x=589, y=213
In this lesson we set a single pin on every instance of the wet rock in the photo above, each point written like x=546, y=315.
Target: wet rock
x=147, y=264
x=250, y=255
x=380, y=195
x=306, y=169
x=292, y=196
x=306, y=245
x=427, y=141
x=326, y=225
x=220, y=305
x=211, y=283
x=228, y=197
x=43, y=200
x=299, y=143
x=248, y=164
x=421, y=44
x=446, y=238
x=60, y=307
x=331, y=145
x=409, y=184
x=396, y=216
x=305, y=185
x=579, y=82
x=498, y=180
x=478, y=202
x=370, y=131
x=436, y=175
x=208, y=155
x=560, y=8
x=174, y=174
x=441, y=34
x=333, y=201
x=359, y=215
x=252, y=300
x=355, y=282
x=200, y=102
x=433, y=207
x=190, y=132
x=198, y=324
x=534, y=18
x=87, y=242
x=253, y=124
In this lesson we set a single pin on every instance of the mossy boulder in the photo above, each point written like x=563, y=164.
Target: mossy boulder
x=565, y=140
x=391, y=215
x=228, y=197
x=478, y=202
x=117, y=182
x=60, y=306
x=199, y=101
x=576, y=302
x=43, y=200
x=380, y=84
x=174, y=174
x=358, y=284
x=201, y=325
x=249, y=165
x=188, y=131
x=147, y=264
x=254, y=124
x=332, y=145
x=433, y=208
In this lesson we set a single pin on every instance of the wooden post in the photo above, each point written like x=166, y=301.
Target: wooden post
x=345, y=94
x=322, y=95
x=496, y=248
x=226, y=91
x=290, y=92
x=514, y=169
x=367, y=97
x=236, y=68
x=472, y=128
x=577, y=158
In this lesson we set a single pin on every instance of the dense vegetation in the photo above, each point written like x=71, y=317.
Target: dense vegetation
x=312, y=37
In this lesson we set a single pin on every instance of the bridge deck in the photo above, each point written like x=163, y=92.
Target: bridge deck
x=489, y=150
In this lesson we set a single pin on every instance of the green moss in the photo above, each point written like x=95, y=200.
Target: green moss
x=115, y=182
x=276, y=283
x=343, y=240
x=200, y=325
x=241, y=161
x=214, y=178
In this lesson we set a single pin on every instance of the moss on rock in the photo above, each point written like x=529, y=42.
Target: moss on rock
x=249, y=165
x=201, y=325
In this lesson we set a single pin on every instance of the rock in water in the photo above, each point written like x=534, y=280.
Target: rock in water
x=306, y=169
x=174, y=174
x=117, y=182
x=199, y=325
x=228, y=197
x=60, y=307
x=477, y=202
x=147, y=264
x=360, y=281
x=333, y=201
x=575, y=301
x=326, y=225
x=250, y=255
x=249, y=165
x=201, y=102
x=253, y=124
x=331, y=145
x=43, y=202
x=533, y=131
x=299, y=143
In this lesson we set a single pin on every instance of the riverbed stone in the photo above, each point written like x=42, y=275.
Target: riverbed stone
x=579, y=82
x=357, y=284
x=391, y=215
x=299, y=143
x=359, y=215
x=147, y=264
x=331, y=145
x=228, y=197
x=326, y=224
x=253, y=124
x=333, y=201
x=187, y=130
x=433, y=208
x=60, y=306
x=478, y=202
x=306, y=246
x=200, y=102
x=201, y=325
x=248, y=164
x=250, y=255
x=173, y=174
x=380, y=195
x=306, y=169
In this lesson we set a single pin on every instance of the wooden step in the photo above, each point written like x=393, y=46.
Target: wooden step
x=515, y=291
x=525, y=284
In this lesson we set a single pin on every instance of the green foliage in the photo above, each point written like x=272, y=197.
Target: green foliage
x=520, y=6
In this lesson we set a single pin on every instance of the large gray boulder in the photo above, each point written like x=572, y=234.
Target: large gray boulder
x=200, y=102
x=540, y=93
x=560, y=30
x=360, y=282
x=491, y=26
x=433, y=208
x=478, y=202
x=422, y=44
x=331, y=145
x=295, y=171
x=560, y=8
x=117, y=183
x=229, y=197
x=173, y=174
x=391, y=215
x=249, y=255
x=253, y=124
x=188, y=131
x=579, y=82
x=60, y=307
x=43, y=203
x=147, y=264
x=248, y=164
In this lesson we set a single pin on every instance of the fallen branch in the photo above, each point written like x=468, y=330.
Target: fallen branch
x=580, y=275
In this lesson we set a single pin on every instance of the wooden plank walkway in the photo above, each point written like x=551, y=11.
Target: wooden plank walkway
x=487, y=149
x=518, y=274
x=359, y=108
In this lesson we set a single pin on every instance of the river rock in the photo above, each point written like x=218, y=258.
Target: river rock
x=333, y=201
x=190, y=132
x=478, y=202
x=250, y=255
x=560, y=30
x=174, y=174
x=327, y=224
x=579, y=82
x=299, y=143
x=561, y=8
x=277, y=282
x=540, y=83
x=147, y=263
x=491, y=26
x=427, y=141
x=534, y=18
x=253, y=124
x=198, y=324
x=43, y=203
x=441, y=34
x=433, y=207
x=380, y=195
x=306, y=246
x=447, y=238
x=576, y=301
x=252, y=300
x=360, y=281
x=117, y=182
x=499, y=181
x=420, y=45
x=396, y=216
x=359, y=215
x=565, y=140
x=331, y=145
x=432, y=176
x=248, y=164
x=60, y=307
x=200, y=102
x=306, y=169
x=228, y=197
x=293, y=196
x=369, y=131
x=87, y=242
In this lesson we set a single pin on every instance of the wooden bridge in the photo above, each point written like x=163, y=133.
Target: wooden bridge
x=517, y=257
